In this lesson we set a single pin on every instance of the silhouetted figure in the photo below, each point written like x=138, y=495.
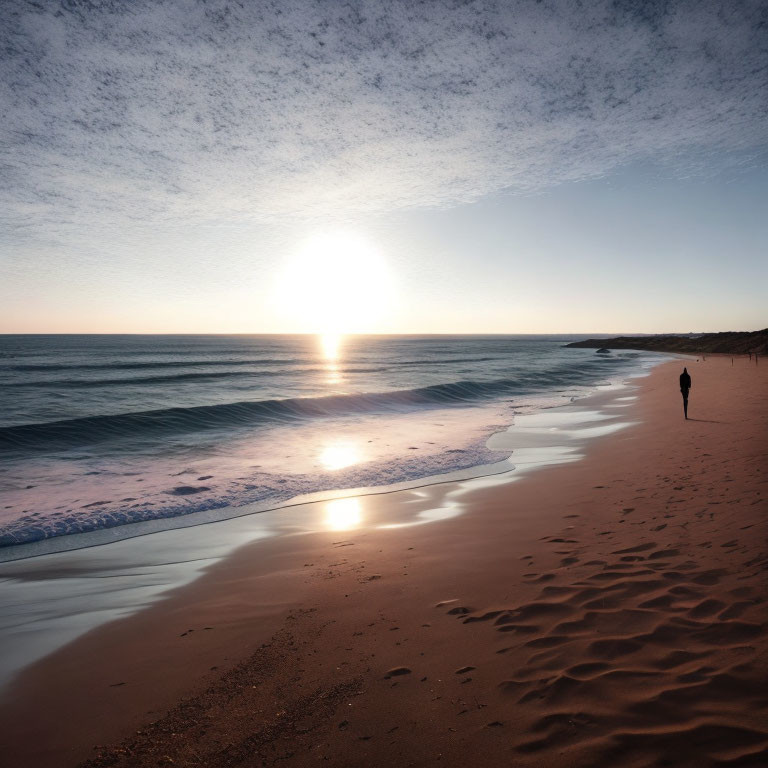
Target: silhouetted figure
x=685, y=386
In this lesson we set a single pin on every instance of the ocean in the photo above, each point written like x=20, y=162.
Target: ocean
x=97, y=432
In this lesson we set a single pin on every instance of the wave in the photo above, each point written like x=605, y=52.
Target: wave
x=290, y=363
x=266, y=490
x=85, y=431
x=131, y=366
x=445, y=360
x=171, y=378
x=127, y=382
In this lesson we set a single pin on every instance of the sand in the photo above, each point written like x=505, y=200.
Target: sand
x=608, y=612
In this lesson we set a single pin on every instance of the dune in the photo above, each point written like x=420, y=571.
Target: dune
x=606, y=612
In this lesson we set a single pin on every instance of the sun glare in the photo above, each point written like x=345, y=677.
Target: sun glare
x=330, y=344
x=336, y=283
x=343, y=514
x=339, y=454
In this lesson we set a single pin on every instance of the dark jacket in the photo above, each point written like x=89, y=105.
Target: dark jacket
x=685, y=381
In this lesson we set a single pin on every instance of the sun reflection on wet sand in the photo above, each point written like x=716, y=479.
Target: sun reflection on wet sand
x=451, y=509
x=343, y=514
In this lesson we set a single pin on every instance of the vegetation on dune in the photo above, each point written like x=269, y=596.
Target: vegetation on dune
x=728, y=342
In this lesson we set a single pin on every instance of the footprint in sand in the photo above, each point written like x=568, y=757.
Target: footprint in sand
x=483, y=617
x=638, y=548
x=735, y=610
x=706, y=608
x=649, y=640
x=397, y=672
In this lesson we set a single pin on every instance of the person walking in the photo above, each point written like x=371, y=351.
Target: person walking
x=685, y=386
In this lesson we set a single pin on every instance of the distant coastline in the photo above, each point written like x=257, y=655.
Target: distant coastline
x=728, y=342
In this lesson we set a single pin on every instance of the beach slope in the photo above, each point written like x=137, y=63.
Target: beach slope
x=605, y=612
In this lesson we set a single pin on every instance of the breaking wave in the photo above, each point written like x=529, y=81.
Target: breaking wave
x=84, y=431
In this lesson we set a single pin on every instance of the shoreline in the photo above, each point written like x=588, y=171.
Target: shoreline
x=106, y=680
x=221, y=510
x=178, y=555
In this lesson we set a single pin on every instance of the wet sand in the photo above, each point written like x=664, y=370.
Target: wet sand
x=604, y=612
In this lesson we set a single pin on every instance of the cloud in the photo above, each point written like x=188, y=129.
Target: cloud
x=228, y=112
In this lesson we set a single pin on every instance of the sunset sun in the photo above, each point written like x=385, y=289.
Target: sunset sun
x=337, y=282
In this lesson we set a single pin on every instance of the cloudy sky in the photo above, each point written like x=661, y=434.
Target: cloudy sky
x=518, y=166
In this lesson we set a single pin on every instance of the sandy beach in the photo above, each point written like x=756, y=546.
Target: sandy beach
x=606, y=612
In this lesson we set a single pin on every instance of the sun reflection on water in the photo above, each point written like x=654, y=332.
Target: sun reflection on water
x=333, y=373
x=343, y=514
x=330, y=344
x=330, y=348
x=339, y=454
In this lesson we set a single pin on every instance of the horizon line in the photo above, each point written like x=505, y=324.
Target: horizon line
x=324, y=333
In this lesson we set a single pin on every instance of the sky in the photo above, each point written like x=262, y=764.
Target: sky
x=179, y=166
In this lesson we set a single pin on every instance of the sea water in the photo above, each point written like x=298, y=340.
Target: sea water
x=99, y=432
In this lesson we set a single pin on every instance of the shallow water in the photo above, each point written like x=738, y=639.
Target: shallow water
x=100, y=432
x=46, y=602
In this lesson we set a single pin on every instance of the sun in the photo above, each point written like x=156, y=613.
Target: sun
x=337, y=282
